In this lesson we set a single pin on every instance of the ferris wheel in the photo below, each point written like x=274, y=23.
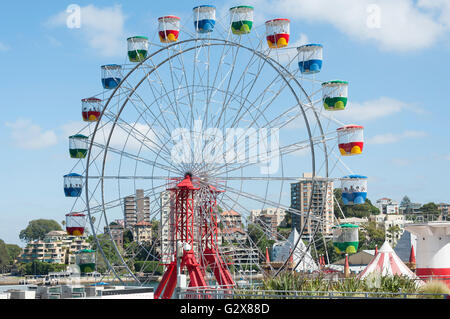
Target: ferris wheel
x=210, y=115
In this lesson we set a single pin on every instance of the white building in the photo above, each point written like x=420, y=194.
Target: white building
x=388, y=221
x=136, y=209
x=387, y=206
x=165, y=224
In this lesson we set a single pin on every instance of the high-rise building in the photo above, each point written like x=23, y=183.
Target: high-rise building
x=320, y=201
x=136, y=209
x=166, y=249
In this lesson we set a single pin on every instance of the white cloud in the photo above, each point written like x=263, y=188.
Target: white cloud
x=28, y=136
x=404, y=24
x=102, y=28
x=120, y=137
x=286, y=56
x=375, y=109
x=390, y=138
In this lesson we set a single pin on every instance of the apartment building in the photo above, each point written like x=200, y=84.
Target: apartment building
x=231, y=219
x=387, y=206
x=56, y=248
x=319, y=198
x=279, y=213
x=136, y=209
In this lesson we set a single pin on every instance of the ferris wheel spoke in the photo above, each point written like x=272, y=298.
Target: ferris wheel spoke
x=139, y=159
x=123, y=125
x=110, y=205
x=279, y=153
x=267, y=202
x=147, y=108
x=253, y=83
x=175, y=107
x=140, y=138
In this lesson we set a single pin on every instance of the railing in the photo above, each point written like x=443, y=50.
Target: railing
x=221, y=293
x=424, y=218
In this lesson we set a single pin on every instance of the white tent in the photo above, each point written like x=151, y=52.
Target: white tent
x=282, y=250
x=387, y=263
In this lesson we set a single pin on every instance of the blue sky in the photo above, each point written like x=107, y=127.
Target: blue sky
x=398, y=74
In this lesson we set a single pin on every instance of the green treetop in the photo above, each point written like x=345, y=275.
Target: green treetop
x=37, y=229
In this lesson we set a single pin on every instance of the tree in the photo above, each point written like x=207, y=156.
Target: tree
x=4, y=256
x=14, y=252
x=128, y=237
x=430, y=208
x=258, y=236
x=370, y=236
x=360, y=211
x=406, y=202
x=37, y=229
x=393, y=231
x=330, y=251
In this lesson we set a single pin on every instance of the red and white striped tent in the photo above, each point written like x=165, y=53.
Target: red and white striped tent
x=387, y=263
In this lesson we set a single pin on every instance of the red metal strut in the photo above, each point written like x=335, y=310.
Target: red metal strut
x=183, y=231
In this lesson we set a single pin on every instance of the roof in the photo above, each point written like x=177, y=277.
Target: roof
x=355, y=177
x=169, y=17
x=75, y=215
x=387, y=263
x=72, y=175
x=348, y=225
x=137, y=37
x=277, y=20
x=242, y=7
x=230, y=213
x=334, y=82
x=86, y=251
x=309, y=46
x=363, y=257
x=350, y=127
x=79, y=136
x=91, y=99
x=206, y=6
x=111, y=66
x=143, y=223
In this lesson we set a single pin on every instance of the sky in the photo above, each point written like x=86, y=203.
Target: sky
x=395, y=54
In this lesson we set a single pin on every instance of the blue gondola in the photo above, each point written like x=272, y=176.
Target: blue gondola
x=310, y=58
x=354, y=189
x=111, y=76
x=73, y=185
x=204, y=18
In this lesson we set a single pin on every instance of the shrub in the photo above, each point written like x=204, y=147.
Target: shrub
x=434, y=287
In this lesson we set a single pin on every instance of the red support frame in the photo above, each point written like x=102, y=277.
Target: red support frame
x=183, y=230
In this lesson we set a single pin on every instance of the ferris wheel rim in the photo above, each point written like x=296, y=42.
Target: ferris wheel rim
x=225, y=42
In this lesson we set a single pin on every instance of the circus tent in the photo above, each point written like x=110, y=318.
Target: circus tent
x=387, y=263
x=282, y=250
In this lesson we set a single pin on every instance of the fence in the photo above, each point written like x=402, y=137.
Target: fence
x=220, y=293
x=425, y=218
